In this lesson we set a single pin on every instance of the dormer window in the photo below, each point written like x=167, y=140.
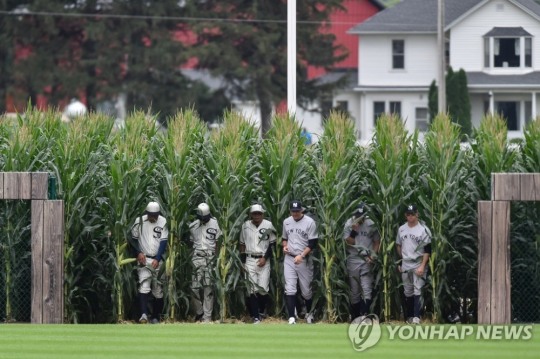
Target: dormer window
x=507, y=47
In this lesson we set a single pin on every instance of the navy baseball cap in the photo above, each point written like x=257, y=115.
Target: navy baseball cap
x=296, y=206
x=411, y=208
x=361, y=209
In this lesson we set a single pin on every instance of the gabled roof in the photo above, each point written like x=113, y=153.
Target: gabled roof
x=420, y=16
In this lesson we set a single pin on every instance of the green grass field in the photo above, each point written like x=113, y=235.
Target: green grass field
x=236, y=341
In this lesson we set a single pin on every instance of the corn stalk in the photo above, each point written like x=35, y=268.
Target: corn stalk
x=444, y=170
x=338, y=184
x=130, y=182
x=391, y=185
x=284, y=176
x=230, y=159
x=178, y=171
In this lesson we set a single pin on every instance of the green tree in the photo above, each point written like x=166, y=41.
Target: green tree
x=245, y=42
x=101, y=50
x=433, y=100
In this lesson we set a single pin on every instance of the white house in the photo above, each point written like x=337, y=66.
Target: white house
x=496, y=42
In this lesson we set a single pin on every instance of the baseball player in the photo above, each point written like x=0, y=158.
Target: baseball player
x=149, y=238
x=204, y=233
x=257, y=241
x=413, y=245
x=363, y=240
x=299, y=240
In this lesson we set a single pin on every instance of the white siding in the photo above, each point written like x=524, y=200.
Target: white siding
x=375, y=68
x=467, y=41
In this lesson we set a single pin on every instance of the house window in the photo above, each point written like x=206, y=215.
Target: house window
x=421, y=114
x=510, y=111
x=395, y=108
x=507, y=47
x=398, y=54
x=342, y=106
x=378, y=110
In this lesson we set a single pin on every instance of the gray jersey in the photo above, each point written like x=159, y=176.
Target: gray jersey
x=257, y=239
x=367, y=234
x=204, y=235
x=299, y=233
x=149, y=235
x=412, y=241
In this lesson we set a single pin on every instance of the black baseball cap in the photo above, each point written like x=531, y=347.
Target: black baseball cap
x=296, y=206
x=360, y=209
x=411, y=208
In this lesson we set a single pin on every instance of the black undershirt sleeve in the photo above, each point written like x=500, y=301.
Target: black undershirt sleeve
x=312, y=243
x=269, y=251
x=427, y=248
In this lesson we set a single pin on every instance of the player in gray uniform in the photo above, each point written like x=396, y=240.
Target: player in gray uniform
x=363, y=242
x=149, y=238
x=257, y=240
x=413, y=245
x=299, y=239
x=204, y=233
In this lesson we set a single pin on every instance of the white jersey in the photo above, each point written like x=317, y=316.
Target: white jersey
x=367, y=234
x=204, y=235
x=412, y=241
x=257, y=239
x=149, y=235
x=298, y=233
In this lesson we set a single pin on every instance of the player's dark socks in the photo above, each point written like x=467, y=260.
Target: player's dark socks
x=253, y=306
x=367, y=306
x=409, y=303
x=309, y=304
x=417, y=304
x=290, y=301
x=158, y=308
x=263, y=299
x=355, y=310
x=143, y=302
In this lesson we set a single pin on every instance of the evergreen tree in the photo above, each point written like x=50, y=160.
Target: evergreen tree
x=463, y=111
x=245, y=42
x=433, y=100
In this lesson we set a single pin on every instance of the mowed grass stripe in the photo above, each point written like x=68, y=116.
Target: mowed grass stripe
x=234, y=341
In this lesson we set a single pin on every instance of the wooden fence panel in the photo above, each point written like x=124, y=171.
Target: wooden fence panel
x=500, y=264
x=53, y=264
x=37, y=262
x=485, y=209
x=40, y=185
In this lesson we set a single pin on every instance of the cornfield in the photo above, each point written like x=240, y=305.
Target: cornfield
x=107, y=175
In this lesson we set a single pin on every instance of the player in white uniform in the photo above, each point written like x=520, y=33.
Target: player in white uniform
x=257, y=240
x=299, y=239
x=204, y=233
x=363, y=242
x=149, y=238
x=413, y=245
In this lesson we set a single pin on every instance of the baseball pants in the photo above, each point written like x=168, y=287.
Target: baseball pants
x=259, y=277
x=202, y=279
x=302, y=273
x=361, y=281
x=148, y=279
x=412, y=283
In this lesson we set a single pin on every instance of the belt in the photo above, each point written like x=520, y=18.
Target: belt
x=203, y=254
x=294, y=255
x=257, y=256
x=152, y=257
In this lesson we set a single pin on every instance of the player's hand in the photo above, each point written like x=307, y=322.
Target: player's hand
x=298, y=259
x=286, y=249
x=261, y=262
x=141, y=259
x=399, y=269
x=155, y=263
x=419, y=271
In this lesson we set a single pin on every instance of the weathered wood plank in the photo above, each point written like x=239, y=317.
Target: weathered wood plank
x=25, y=185
x=505, y=187
x=40, y=185
x=37, y=262
x=530, y=186
x=484, y=261
x=500, y=264
x=11, y=185
x=1, y=185
x=53, y=266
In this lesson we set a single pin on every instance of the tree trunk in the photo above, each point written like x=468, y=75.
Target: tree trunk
x=265, y=106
